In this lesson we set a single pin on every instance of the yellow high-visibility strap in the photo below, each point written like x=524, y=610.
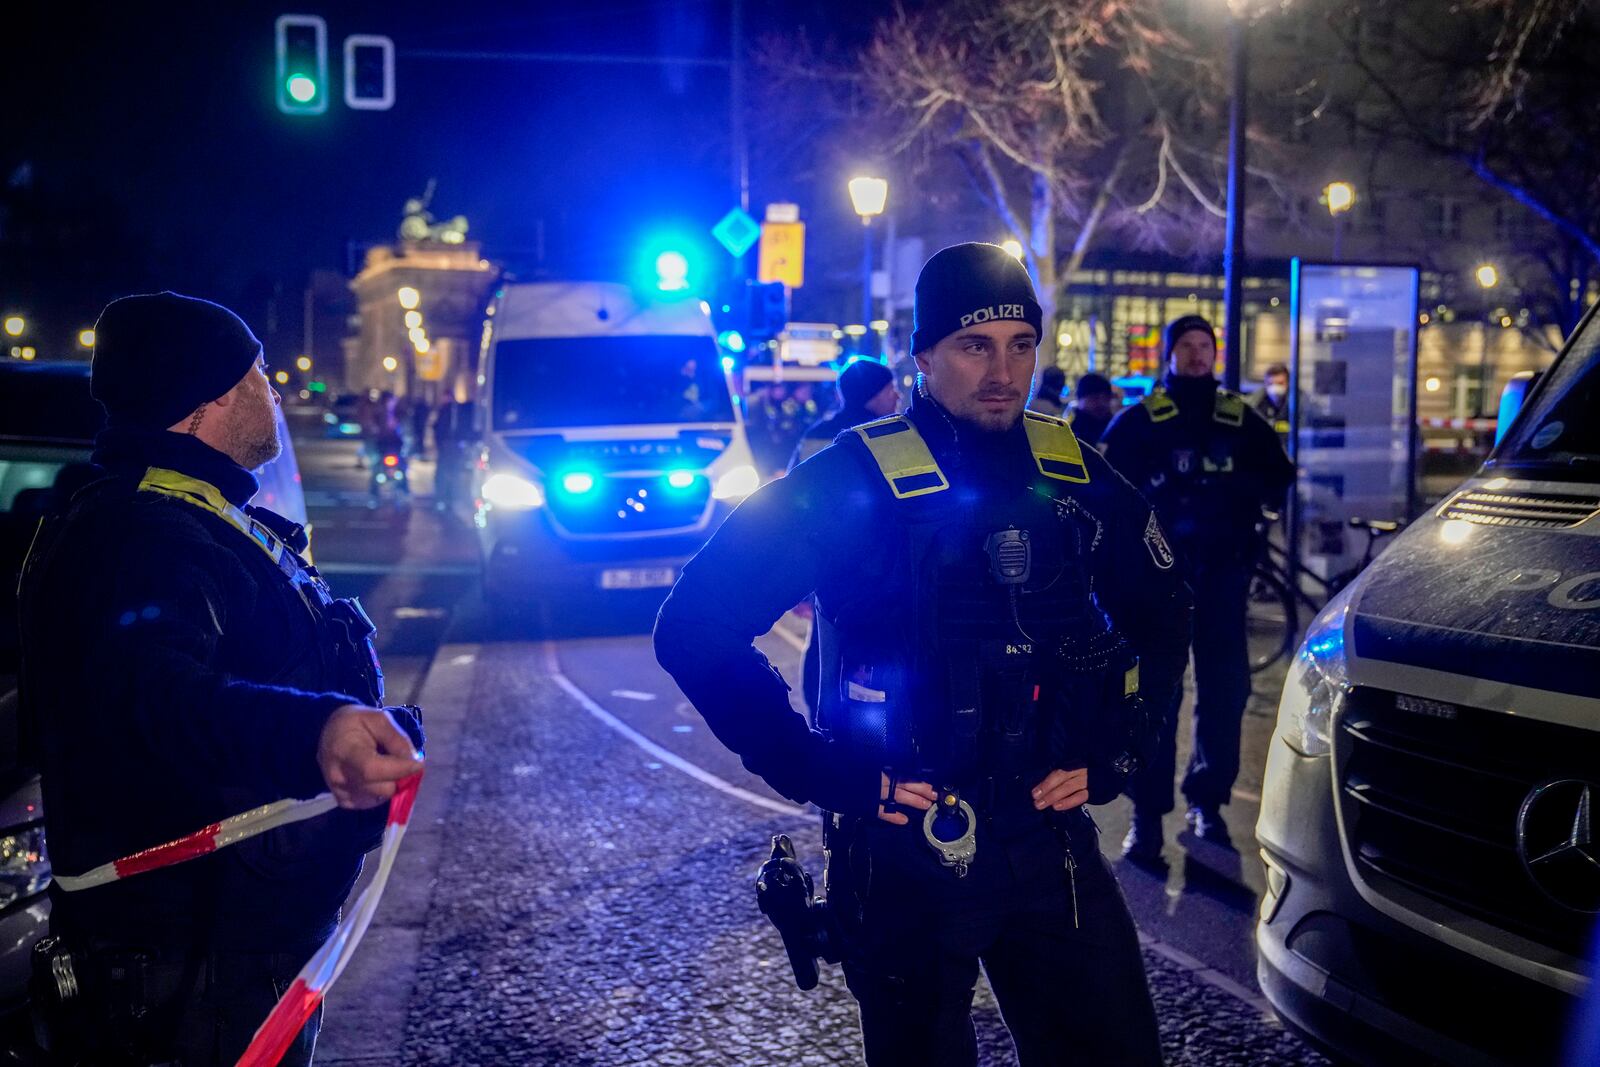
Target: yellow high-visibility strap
x=1055, y=447
x=903, y=456
x=205, y=495
x=1159, y=405
x=1229, y=409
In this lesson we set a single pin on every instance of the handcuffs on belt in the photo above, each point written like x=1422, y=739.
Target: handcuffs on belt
x=957, y=853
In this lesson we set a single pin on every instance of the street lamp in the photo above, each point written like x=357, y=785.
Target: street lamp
x=86, y=338
x=868, y=196
x=15, y=324
x=1339, y=197
x=413, y=319
x=390, y=364
x=1487, y=275
x=303, y=363
x=1013, y=249
x=409, y=297
x=1233, y=250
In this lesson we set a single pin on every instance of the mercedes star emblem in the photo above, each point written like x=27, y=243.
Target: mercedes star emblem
x=1557, y=846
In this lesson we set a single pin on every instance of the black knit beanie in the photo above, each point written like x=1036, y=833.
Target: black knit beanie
x=1182, y=325
x=863, y=380
x=968, y=284
x=158, y=356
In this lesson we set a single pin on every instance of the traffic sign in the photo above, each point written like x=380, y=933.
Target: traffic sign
x=736, y=231
x=783, y=253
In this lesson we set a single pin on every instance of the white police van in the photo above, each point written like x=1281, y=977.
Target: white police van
x=1432, y=881
x=613, y=445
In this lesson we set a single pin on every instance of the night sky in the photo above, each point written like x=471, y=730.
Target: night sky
x=147, y=150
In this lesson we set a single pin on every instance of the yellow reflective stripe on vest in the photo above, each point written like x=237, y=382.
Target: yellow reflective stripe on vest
x=1229, y=408
x=205, y=495
x=903, y=457
x=1159, y=405
x=1055, y=447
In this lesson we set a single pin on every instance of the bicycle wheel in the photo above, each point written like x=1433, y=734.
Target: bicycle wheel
x=1272, y=623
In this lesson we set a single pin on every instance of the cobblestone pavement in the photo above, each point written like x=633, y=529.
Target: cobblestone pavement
x=594, y=905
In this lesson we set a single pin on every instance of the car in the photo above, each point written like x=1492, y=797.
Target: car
x=48, y=423
x=1432, y=881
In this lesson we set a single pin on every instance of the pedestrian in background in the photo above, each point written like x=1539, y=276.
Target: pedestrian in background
x=1271, y=401
x=455, y=436
x=181, y=663
x=1094, y=403
x=1047, y=399
x=1209, y=464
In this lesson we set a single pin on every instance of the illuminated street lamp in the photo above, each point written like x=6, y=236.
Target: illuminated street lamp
x=868, y=196
x=413, y=319
x=409, y=297
x=1487, y=276
x=417, y=333
x=86, y=338
x=303, y=363
x=1339, y=197
x=282, y=377
x=391, y=364
x=15, y=324
x=1013, y=249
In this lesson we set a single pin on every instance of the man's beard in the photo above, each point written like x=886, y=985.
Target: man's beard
x=253, y=451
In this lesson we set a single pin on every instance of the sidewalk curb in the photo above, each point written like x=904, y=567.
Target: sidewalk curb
x=366, y=1014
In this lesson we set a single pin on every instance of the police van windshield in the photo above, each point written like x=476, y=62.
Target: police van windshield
x=1559, y=430
x=608, y=381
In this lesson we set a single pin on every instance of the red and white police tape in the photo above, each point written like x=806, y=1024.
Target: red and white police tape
x=275, y=1035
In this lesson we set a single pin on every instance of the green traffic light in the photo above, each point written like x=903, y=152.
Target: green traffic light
x=302, y=89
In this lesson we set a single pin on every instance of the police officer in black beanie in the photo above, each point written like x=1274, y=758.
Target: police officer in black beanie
x=1209, y=463
x=992, y=599
x=181, y=663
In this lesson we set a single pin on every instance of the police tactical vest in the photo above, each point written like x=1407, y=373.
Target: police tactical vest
x=344, y=633
x=940, y=672
x=1195, y=459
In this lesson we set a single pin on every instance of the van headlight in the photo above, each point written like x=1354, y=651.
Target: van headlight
x=1318, y=682
x=24, y=863
x=736, y=484
x=512, y=492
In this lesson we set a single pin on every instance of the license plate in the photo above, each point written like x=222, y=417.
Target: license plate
x=637, y=578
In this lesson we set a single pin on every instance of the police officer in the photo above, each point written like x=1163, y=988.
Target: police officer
x=1271, y=401
x=1209, y=464
x=1094, y=403
x=991, y=597
x=181, y=663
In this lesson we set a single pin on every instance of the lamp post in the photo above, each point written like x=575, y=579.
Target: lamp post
x=1339, y=197
x=1233, y=253
x=868, y=196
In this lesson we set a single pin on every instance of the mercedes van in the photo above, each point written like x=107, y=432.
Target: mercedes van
x=613, y=446
x=1432, y=878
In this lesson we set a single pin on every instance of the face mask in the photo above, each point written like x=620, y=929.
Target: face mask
x=1276, y=393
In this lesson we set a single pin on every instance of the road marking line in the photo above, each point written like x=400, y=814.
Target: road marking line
x=671, y=759
x=424, y=570
x=1203, y=972
x=632, y=694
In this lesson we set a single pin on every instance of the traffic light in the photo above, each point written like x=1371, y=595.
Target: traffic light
x=767, y=309
x=369, y=72
x=302, y=47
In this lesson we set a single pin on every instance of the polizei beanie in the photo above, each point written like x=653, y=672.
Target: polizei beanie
x=969, y=284
x=158, y=356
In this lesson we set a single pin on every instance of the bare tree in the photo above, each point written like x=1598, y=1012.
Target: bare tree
x=1073, y=118
x=1504, y=89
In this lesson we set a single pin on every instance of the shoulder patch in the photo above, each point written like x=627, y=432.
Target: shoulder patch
x=1156, y=542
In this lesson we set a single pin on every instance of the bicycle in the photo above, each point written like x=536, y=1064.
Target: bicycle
x=1272, y=612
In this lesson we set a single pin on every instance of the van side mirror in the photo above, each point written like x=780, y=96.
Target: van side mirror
x=1512, y=397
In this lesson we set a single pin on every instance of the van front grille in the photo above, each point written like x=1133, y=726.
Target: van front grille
x=1431, y=795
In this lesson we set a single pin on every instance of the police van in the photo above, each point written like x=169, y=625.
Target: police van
x=1432, y=878
x=613, y=445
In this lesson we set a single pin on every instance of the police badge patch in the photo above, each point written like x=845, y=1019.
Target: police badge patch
x=1156, y=542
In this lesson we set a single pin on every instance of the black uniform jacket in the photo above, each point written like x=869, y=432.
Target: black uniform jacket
x=172, y=677
x=827, y=526
x=1213, y=516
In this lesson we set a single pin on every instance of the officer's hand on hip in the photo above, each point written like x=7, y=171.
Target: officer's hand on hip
x=919, y=795
x=362, y=754
x=1062, y=790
